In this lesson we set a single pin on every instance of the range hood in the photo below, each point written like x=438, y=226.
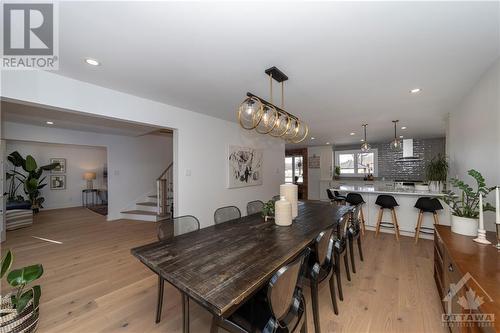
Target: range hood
x=408, y=152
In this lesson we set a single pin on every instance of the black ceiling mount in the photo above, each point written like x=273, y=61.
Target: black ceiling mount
x=276, y=74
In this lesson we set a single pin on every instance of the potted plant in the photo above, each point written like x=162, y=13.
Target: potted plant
x=31, y=182
x=436, y=172
x=268, y=210
x=465, y=205
x=337, y=172
x=20, y=307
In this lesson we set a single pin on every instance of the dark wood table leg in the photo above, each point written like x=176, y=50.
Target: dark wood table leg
x=185, y=313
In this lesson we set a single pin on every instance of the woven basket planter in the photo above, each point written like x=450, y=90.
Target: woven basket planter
x=12, y=322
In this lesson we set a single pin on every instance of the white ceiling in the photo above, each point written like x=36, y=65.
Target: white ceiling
x=348, y=62
x=38, y=116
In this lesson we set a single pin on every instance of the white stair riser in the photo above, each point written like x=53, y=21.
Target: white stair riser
x=147, y=208
x=138, y=217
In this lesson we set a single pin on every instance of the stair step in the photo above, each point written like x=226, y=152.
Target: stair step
x=154, y=197
x=140, y=212
x=149, y=204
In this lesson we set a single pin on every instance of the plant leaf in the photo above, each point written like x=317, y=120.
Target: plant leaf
x=7, y=260
x=23, y=300
x=24, y=275
x=30, y=163
x=37, y=293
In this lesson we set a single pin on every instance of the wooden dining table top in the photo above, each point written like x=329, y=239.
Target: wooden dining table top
x=222, y=265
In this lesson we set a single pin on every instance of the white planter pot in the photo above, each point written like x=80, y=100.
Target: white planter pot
x=436, y=186
x=464, y=225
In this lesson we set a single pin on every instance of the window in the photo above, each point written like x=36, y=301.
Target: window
x=294, y=169
x=355, y=163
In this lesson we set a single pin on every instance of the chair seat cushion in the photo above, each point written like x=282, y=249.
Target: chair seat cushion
x=429, y=205
x=354, y=199
x=386, y=201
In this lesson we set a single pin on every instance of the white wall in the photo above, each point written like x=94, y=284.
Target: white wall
x=325, y=172
x=79, y=159
x=134, y=163
x=200, y=141
x=473, y=140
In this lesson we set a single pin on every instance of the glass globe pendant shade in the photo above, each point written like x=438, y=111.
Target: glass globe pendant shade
x=282, y=125
x=301, y=133
x=396, y=144
x=250, y=113
x=268, y=120
x=365, y=147
x=292, y=131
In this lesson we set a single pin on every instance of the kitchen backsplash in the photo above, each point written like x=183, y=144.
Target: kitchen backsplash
x=389, y=165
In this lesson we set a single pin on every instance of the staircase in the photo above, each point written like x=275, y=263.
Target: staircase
x=159, y=206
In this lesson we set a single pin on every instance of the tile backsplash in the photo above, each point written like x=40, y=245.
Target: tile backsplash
x=389, y=165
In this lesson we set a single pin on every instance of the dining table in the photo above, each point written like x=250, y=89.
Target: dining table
x=223, y=265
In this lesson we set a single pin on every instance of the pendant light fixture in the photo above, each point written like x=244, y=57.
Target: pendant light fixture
x=267, y=118
x=365, y=147
x=396, y=142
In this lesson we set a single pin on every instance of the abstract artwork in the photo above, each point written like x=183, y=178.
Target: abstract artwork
x=58, y=182
x=245, y=167
x=61, y=168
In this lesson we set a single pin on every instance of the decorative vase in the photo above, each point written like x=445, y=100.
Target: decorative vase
x=12, y=322
x=283, y=212
x=464, y=225
x=291, y=193
x=436, y=186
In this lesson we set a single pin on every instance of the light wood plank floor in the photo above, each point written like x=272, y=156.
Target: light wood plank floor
x=93, y=284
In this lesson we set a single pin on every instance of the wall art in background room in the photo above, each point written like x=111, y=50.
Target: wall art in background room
x=245, y=167
x=58, y=182
x=62, y=165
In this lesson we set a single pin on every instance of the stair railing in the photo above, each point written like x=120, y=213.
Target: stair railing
x=164, y=192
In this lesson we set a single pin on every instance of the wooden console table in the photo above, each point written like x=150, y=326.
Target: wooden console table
x=467, y=276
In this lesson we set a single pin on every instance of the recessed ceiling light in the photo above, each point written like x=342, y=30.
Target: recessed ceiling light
x=404, y=127
x=313, y=138
x=352, y=133
x=49, y=122
x=328, y=143
x=415, y=90
x=362, y=140
x=92, y=62
x=401, y=136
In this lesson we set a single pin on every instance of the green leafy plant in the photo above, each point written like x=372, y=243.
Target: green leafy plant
x=268, y=209
x=337, y=171
x=466, y=203
x=437, y=169
x=31, y=182
x=19, y=280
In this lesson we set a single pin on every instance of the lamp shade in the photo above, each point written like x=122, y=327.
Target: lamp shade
x=89, y=175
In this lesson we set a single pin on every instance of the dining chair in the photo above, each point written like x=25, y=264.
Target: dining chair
x=227, y=213
x=278, y=307
x=320, y=267
x=276, y=198
x=167, y=229
x=354, y=232
x=254, y=207
x=341, y=237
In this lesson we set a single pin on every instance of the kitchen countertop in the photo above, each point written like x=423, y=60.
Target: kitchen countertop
x=385, y=190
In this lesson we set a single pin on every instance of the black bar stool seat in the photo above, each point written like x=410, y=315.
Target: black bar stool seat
x=356, y=200
x=335, y=197
x=387, y=202
x=426, y=205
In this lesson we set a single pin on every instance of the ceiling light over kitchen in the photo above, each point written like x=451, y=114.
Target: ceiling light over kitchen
x=92, y=62
x=415, y=90
x=396, y=143
x=365, y=146
x=352, y=133
x=49, y=122
x=328, y=143
x=404, y=127
x=313, y=138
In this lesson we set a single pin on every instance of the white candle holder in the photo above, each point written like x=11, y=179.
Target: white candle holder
x=498, y=236
x=481, y=237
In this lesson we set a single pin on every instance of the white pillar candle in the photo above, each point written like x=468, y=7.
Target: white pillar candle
x=283, y=212
x=481, y=221
x=497, y=205
x=290, y=192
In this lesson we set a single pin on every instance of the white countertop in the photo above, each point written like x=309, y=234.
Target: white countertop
x=385, y=190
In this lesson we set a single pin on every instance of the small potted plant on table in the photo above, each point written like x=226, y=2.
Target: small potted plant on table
x=465, y=206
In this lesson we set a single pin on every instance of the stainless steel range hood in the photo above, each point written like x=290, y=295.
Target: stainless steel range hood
x=408, y=154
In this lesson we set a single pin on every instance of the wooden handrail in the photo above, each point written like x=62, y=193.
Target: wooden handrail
x=165, y=171
x=164, y=186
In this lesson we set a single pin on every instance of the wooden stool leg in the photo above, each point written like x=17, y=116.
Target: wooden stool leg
x=395, y=222
x=351, y=253
x=379, y=219
x=362, y=217
x=214, y=328
x=417, y=228
x=436, y=218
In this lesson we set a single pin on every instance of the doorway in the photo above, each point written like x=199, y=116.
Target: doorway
x=296, y=170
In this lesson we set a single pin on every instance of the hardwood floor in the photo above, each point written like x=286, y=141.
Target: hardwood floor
x=93, y=284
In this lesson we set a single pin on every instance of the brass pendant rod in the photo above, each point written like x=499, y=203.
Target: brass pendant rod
x=283, y=94
x=249, y=94
x=271, y=86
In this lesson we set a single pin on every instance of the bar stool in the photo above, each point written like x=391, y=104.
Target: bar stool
x=355, y=199
x=335, y=197
x=387, y=202
x=426, y=205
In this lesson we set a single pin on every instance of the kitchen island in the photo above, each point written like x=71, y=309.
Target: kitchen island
x=406, y=212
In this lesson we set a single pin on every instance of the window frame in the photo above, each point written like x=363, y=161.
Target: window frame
x=293, y=157
x=356, y=152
